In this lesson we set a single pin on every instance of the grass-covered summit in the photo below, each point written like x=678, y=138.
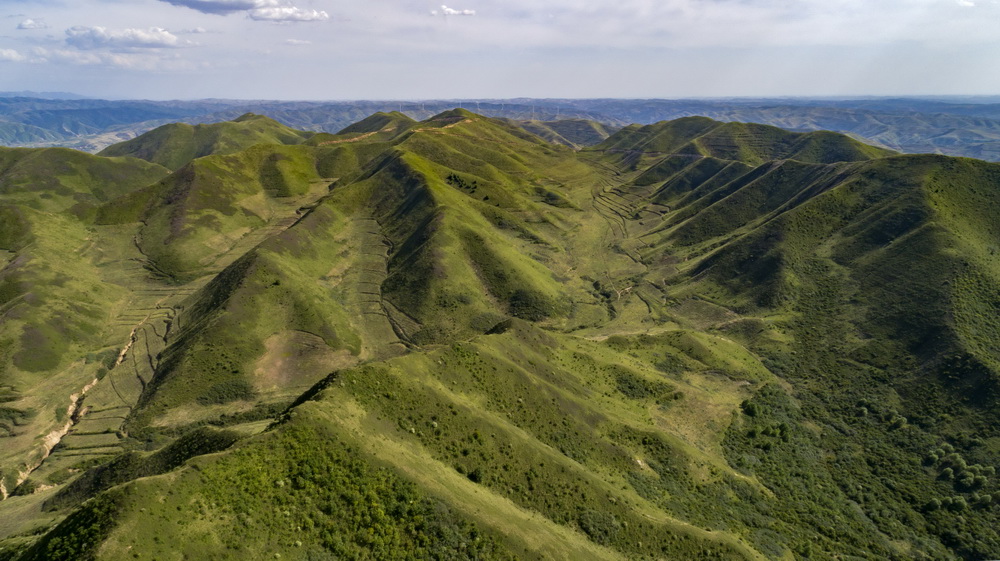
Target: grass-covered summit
x=454, y=339
x=746, y=142
x=176, y=144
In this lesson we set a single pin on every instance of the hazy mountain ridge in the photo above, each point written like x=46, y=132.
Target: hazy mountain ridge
x=953, y=126
x=693, y=340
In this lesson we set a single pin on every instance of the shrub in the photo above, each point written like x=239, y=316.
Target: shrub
x=529, y=305
x=599, y=526
x=230, y=390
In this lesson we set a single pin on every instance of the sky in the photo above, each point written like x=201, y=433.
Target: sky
x=421, y=49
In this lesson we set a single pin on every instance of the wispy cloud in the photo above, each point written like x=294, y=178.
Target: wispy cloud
x=90, y=38
x=32, y=24
x=11, y=55
x=151, y=61
x=446, y=11
x=297, y=42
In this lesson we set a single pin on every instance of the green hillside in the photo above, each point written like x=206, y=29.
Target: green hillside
x=456, y=339
x=574, y=133
x=174, y=145
x=393, y=122
x=58, y=179
x=745, y=142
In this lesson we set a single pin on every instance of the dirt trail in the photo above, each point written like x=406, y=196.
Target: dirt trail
x=343, y=140
x=455, y=124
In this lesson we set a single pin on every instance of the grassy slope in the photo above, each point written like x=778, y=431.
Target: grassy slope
x=203, y=209
x=174, y=145
x=749, y=143
x=387, y=123
x=57, y=179
x=868, y=275
x=724, y=356
x=54, y=313
x=384, y=262
x=574, y=133
x=54, y=295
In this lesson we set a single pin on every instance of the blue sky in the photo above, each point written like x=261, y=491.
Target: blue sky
x=417, y=49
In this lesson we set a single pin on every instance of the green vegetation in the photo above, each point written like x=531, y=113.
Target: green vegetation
x=173, y=146
x=574, y=133
x=452, y=339
x=58, y=179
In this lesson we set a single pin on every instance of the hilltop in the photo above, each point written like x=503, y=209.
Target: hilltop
x=468, y=338
x=174, y=145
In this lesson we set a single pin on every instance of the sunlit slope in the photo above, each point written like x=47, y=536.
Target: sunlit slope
x=750, y=143
x=476, y=230
x=867, y=286
x=57, y=179
x=268, y=326
x=910, y=237
x=200, y=211
x=54, y=305
x=58, y=289
x=174, y=145
x=410, y=253
x=864, y=284
x=389, y=124
x=551, y=447
x=73, y=278
x=574, y=133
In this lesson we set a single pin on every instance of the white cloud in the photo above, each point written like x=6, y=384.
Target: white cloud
x=297, y=42
x=966, y=3
x=32, y=24
x=152, y=61
x=89, y=38
x=287, y=13
x=446, y=11
x=11, y=55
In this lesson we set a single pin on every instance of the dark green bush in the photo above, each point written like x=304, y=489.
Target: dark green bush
x=224, y=392
x=530, y=305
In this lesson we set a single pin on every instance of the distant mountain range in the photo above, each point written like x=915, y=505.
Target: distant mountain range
x=952, y=126
x=44, y=95
x=452, y=338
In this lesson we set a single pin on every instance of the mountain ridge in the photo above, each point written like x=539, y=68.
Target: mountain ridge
x=954, y=126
